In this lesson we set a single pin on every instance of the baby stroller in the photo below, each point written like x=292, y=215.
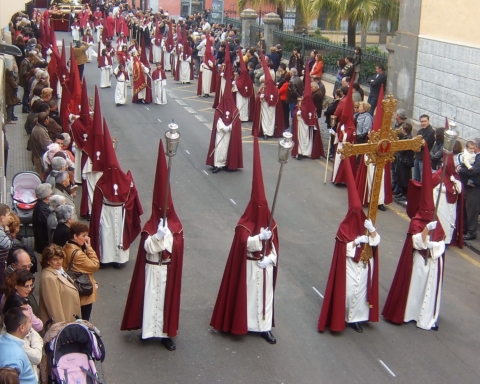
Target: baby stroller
x=71, y=349
x=24, y=200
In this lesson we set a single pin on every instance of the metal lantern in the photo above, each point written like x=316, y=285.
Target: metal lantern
x=285, y=146
x=173, y=139
x=333, y=120
x=451, y=136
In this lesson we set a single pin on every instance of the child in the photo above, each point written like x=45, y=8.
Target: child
x=75, y=27
x=159, y=85
x=88, y=38
x=467, y=158
x=121, y=88
x=105, y=65
x=6, y=242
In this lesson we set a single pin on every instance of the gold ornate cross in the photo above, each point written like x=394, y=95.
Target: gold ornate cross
x=381, y=148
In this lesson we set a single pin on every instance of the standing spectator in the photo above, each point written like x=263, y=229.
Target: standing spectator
x=17, y=325
x=357, y=94
x=436, y=153
x=375, y=84
x=80, y=53
x=295, y=90
x=11, y=99
x=282, y=93
x=364, y=122
x=357, y=60
x=428, y=134
x=83, y=258
x=317, y=67
x=338, y=81
x=275, y=58
x=65, y=215
x=296, y=61
x=41, y=211
x=63, y=188
x=318, y=96
x=6, y=243
x=24, y=69
x=471, y=181
x=39, y=142
x=52, y=222
x=403, y=165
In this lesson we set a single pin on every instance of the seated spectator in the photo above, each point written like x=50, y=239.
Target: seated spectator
x=41, y=211
x=63, y=188
x=65, y=216
x=59, y=299
x=33, y=345
x=17, y=325
x=21, y=283
x=55, y=202
x=436, y=153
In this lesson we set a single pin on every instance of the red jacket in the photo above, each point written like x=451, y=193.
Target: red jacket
x=282, y=92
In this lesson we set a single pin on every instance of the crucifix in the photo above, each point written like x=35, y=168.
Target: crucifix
x=381, y=148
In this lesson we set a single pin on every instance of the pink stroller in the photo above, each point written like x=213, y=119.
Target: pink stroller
x=24, y=199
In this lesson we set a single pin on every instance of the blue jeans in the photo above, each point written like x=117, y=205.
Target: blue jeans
x=372, y=100
x=417, y=170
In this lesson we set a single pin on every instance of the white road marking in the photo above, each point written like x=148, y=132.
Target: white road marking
x=159, y=120
x=233, y=201
x=388, y=369
x=316, y=290
x=201, y=118
x=209, y=126
x=147, y=109
x=181, y=102
x=206, y=173
x=187, y=151
x=191, y=110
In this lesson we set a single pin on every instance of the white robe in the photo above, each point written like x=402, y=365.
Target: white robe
x=89, y=51
x=243, y=105
x=447, y=213
x=157, y=52
x=222, y=141
x=304, y=136
x=206, y=79
x=160, y=87
x=370, y=175
x=356, y=308
x=423, y=302
x=91, y=179
x=75, y=33
x=338, y=159
x=99, y=33
x=155, y=286
x=267, y=116
x=120, y=89
x=255, y=282
x=129, y=69
x=77, y=175
x=111, y=234
x=167, y=66
x=105, y=74
x=184, y=69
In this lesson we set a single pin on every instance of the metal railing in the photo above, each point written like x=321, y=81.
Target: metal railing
x=237, y=23
x=256, y=35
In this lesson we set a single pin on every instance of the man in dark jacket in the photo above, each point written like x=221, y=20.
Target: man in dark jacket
x=428, y=134
x=25, y=67
x=40, y=214
x=295, y=90
x=376, y=83
x=318, y=97
x=471, y=182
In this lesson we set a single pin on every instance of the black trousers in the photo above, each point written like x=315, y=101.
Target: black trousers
x=86, y=311
x=81, y=67
x=472, y=205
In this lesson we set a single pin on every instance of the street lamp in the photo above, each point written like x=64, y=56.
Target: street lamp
x=344, y=45
x=173, y=139
x=303, y=42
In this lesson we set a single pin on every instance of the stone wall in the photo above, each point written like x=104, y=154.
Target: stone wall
x=448, y=84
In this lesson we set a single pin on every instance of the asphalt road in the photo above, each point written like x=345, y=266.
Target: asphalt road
x=308, y=213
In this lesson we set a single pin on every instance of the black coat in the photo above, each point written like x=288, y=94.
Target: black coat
x=376, y=83
x=428, y=135
x=403, y=165
x=41, y=211
x=61, y=235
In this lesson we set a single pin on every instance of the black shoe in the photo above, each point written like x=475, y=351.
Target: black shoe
x=265, y=137
x=381, y=207
x=356, y=327
x=168, y=344
x=143, y=102
x=216, y=169
x=117, y=265
x=299, y=157
x=25, y=111
x=14, y=118
x=228, y=169
x=469, y=236
x=434, y=328
x=401, y=198
x=269, y=337
x=330, y=156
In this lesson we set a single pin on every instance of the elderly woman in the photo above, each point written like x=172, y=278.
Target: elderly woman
x=55, y=202
x=14, y=229
x=21, y=283
x=62, y=187
x=40, y=216
x=80, y=253
x=65, y=216
x=59, y=299
x=364, y=122
x=59, y=164
x=33, y=342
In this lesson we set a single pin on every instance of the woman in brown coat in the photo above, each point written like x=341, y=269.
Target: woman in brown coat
x=58, y=296
x=11, y=99
x=84, y=260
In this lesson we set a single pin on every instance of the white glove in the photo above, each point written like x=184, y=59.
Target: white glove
x=369, y=226
x=264, y=263
x=430, y=244
x=84, y=176
x=164, y=49
x=265, y=234
x=452, y=178
x=210, y=63
x=361, y=239
x=262, y=95
x=227, y=129
x=160, y=231
x=299, y=112
x=432, y=225
x=332, y=132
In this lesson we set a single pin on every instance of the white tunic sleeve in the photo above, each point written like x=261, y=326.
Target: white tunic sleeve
x=254, y=244
x=220, y=125
x=437, y=250
x=374, y=241
x=351, y=248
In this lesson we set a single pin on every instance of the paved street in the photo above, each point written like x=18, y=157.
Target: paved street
x=308, y=213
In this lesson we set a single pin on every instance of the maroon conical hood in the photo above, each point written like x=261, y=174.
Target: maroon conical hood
x=347, y=113
x=81, y=128
x=94, y=146
x=208, y=52
x=353, y=223
x=426, y=207
x=308, y=109
x=143, y=54
x=158, y=200
x=377, y=121
x=158, y=35
x=169, y=42
x=244, y=82
x=270, y=90
x=84, y=105
x=187, y=50
x=110, y=157
x=227, y=105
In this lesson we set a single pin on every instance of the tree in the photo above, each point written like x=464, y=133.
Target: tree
x=363, y=11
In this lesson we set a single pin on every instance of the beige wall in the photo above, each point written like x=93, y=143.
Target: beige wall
x=451, y=21
x=8, y=8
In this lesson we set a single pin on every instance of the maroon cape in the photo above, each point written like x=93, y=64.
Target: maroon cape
x=257, y=121
x=317, y=150
x=230, y=312
x=362, y=186
x=341, y=167
x=332, y=314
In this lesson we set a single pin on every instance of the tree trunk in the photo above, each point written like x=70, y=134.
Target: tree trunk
x=300, y=22
x=351, y=32
x=281, y=13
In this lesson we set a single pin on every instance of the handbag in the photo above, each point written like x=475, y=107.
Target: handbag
x=81, y=280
